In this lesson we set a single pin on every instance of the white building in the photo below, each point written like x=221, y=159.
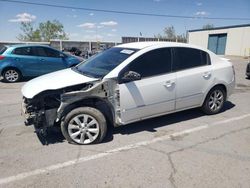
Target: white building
x=229, y=40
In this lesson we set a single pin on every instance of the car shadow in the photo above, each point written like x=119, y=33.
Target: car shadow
x=55, y=136
x=152, y=124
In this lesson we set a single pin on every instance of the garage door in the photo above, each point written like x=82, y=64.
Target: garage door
x=217, y=43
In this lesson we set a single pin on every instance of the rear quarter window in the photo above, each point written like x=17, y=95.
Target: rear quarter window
x=3, y=49
x=186, y=58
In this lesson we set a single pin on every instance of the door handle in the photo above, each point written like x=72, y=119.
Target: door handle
x=169, y=83
x=206, y=74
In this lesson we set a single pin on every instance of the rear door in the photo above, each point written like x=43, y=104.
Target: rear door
x=25, y=59
x=194, y=76
x=152, y=95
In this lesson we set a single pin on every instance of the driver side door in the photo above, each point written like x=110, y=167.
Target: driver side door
x=154, y=93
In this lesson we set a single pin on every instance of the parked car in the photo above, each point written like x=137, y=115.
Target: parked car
x=19, y=61
x=248, y=71
x=125, y=84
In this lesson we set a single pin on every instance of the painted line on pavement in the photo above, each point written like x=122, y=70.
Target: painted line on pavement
x=113, y=151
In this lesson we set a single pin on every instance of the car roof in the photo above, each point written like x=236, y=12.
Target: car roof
x=141, y=45
x=27, y=45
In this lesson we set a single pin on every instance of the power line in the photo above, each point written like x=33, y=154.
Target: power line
x=124, y=12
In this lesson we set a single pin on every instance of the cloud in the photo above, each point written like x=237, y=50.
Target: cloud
x=100, y=26
x=92, y=37
x=73, y=34
x=114, y=30
x=90, y=31
x=157, y=1
x=87, y=25
x=111, y=35
x=109, y=23
x=91, y=14
x=198, y=3
x=201, y=13
x=23, y=17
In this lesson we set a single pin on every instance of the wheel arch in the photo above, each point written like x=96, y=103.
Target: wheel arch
x=104, y=106
x=11, y=67
x=222, y=85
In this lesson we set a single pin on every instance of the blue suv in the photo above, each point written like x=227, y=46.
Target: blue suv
x=20, y=61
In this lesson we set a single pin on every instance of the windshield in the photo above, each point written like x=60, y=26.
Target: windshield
x=101, y=64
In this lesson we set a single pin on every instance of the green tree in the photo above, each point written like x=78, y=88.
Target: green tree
x=29, y=33
x=208, y=26
x=45, y=32
x=52, y=30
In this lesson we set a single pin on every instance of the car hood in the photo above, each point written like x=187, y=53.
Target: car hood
x=53, y=81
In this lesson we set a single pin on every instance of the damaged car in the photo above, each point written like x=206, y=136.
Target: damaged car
x=125, y=84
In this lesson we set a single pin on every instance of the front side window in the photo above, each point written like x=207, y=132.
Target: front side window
x=101, y=64
x=23, y=51
x=40, y=51
x=52, y=53
x=186, y=58
x=152, y=63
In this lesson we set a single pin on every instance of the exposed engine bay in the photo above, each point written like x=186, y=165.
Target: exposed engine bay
x=48, y=108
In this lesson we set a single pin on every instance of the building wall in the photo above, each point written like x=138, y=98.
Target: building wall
x=238, y=40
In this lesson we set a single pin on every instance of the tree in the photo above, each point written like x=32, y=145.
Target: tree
x=208, y=26
x=170, y=32
x=52, y=30
x=45, y=32
x=29, y=33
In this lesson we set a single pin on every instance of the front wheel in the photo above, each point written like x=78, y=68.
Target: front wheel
x=84, y=125
x=214, y=101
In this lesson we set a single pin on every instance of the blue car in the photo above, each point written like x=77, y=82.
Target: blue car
x=20, y=61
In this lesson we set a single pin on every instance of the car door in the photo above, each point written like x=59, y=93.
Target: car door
x=154, y=93
x=49, y=60
x=194, y=76
x=25, y=59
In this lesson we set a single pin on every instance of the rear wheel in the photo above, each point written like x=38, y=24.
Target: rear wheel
x=214, y=101
x=84, y=125
x=11, y=75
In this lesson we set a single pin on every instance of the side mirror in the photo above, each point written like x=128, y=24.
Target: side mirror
x=62, y=55
x=130, y=76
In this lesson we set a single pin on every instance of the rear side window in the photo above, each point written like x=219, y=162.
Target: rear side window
x=186, y=58
x=152, y=63
x=23, y=51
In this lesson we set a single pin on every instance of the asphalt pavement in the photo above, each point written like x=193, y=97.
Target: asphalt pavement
x=185, y=149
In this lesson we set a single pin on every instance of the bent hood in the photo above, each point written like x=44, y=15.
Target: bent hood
x=53, y=81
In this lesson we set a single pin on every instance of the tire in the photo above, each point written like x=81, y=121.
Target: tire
x=214, y=101
x=84, y=125
x=11, y=75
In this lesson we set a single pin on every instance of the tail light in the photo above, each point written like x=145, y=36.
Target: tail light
x=1, y=57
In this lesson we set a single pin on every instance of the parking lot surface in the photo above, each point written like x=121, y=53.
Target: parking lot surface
x=185, y=149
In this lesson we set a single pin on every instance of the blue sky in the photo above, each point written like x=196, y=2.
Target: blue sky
x=91, y=25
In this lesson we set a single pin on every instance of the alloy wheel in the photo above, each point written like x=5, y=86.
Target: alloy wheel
x=83, y=129
x=11, y=75
x=216, y=100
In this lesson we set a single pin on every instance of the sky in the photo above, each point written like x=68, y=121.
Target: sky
x=103, y=26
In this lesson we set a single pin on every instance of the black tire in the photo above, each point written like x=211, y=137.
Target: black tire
x=83, y=127
x=11, y=75
x=218, y=103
